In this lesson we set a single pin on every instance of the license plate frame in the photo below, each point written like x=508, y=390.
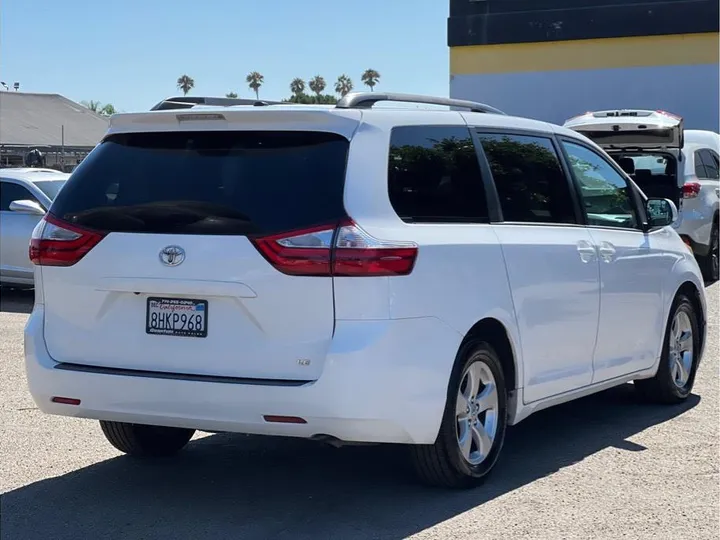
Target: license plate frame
x=172, y=315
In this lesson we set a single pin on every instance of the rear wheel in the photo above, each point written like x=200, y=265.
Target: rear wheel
x=146, y=441
x=473, y=427
x=710, y=264
x=675, y=376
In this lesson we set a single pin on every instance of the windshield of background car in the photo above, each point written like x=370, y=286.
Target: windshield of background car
x=215, y=183
x=50, y=187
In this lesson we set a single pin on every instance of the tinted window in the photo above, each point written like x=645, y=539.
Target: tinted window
x=208, y=183
x=711, y=164
x=10, y=192
x=529, y=180
x=606, y=196
x=50, y=187
x=434, y=175
x=700, y=171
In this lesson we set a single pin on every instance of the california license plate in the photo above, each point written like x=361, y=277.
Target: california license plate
x=183, y=317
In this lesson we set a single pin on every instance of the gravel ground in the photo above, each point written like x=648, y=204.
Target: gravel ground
x=603, y=467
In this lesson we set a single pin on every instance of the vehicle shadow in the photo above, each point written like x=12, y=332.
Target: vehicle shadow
x=230, y=486
x=16, y=300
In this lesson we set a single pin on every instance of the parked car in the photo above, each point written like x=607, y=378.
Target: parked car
x=25, y=196
x=666, y=160
x=354, y=275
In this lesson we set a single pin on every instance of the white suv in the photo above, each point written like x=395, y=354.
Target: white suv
x=353, y=274
x=666, y=160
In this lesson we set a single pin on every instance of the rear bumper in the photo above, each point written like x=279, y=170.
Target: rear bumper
x=383, y=381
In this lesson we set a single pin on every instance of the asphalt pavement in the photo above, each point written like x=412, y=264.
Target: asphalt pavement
x=604, y=467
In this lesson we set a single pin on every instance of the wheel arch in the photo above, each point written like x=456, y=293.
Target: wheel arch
x=690, y=289
x=496, y=334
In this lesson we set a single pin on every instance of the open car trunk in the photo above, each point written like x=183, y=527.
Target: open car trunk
x=646, y=144
x=655, y=173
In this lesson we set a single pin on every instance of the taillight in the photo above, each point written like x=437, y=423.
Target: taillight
x=55, y=242
x=342, y=250
x=690, y=190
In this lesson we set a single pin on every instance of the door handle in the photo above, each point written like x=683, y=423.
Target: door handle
x=587, y=251
x=607, y=252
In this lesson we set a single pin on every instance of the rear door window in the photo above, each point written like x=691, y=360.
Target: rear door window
x=710, y=162
x=700, y=171
x=434, y=175
x=529, y=179
x=214, y=183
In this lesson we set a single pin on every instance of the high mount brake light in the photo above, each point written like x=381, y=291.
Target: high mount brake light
x=342, y=250
x=55, y=242
x=690, y=190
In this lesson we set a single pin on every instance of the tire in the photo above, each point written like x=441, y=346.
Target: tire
x=710, y=264
x=443, y=464
x=146, y=441
x=670, y=385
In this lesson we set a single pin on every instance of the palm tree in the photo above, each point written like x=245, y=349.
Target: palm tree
x=231, y=95
x=370, y=78
x=94, y=106
x=185, y=83
x=297, y=86
x=343, y=85
x=317, y=84
x=255, y=80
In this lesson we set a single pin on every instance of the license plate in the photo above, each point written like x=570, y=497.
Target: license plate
x=176, y=317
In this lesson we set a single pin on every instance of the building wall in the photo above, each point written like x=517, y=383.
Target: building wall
x=553, y=59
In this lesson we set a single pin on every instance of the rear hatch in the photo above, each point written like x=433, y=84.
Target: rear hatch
x=646, y=144
x=630, y=129
x=155, y=255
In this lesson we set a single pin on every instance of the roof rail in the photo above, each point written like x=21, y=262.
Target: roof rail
x=187, y=102
x=365, y=100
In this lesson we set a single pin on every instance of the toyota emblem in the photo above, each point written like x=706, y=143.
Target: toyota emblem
x=172, y=255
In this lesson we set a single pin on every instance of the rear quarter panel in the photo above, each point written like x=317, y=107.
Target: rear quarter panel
x=459, y=276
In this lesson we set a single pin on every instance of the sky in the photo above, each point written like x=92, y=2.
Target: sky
x=131, y=52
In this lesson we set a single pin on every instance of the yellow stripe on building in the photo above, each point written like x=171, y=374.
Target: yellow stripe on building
x=680, y=49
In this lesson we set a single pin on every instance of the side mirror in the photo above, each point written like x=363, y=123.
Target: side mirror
x=661, y=212
x=27, y=207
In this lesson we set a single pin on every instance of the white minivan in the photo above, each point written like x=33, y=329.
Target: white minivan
x=667, y=160
x=354, y=275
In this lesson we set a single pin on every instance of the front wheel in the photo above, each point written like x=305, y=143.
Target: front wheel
x=473, y=426
x=675, y=376
x=145, y=441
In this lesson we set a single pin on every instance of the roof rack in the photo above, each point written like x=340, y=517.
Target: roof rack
x=365, y=100
x=188, y=102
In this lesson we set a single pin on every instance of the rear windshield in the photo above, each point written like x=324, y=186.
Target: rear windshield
x=221, y=183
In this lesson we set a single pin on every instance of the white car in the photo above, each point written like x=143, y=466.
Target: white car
x=25, y=196
x=354, y=275
x=666, y=160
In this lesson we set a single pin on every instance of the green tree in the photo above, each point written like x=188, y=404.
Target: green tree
x=370, y=78
x=108, y=109
x=185, y=83
x=94, y=106
x=317, y=84
x=254, y=81
x=231, y=95
x=343, y=85
x=305, y=99
x=297, y=86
